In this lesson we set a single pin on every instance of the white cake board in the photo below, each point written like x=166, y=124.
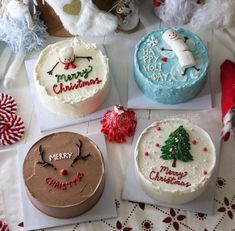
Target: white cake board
x=137, y=100
x=105, y=207
x=49, y=120
x=133, y=191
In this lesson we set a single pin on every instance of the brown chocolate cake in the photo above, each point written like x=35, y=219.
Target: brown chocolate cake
x=64, y=174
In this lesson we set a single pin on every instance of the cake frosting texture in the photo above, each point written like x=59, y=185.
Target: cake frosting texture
x=64, y=174
x=174, y=161
x=157, y=68
x=72, y=77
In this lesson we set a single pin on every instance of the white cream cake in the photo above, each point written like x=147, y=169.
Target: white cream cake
x=72, y=77
x=174, y=161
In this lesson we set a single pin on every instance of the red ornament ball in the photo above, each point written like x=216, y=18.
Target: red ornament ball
x=119, y=123
x=63, y=172
x=194, y=142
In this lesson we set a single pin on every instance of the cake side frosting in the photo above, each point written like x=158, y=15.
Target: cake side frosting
x=172, y=171
x=158, y=72
x=73, y=88
x=64, y=174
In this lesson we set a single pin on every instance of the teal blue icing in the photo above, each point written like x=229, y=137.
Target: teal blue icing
x=163, y=81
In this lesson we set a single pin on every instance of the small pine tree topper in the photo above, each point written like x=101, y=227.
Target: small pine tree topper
x=177, y=146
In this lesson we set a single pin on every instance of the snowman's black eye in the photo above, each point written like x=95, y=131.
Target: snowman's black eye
x=65, y=59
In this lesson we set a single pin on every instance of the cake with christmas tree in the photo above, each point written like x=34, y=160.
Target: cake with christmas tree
x=72, y=77
x=170, y=65
x=174, y=161
x=64, y=174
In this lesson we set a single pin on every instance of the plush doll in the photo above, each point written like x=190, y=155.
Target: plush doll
x=22, y=33
x=176, y=12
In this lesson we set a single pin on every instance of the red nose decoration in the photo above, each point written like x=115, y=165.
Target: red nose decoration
x=63, y=172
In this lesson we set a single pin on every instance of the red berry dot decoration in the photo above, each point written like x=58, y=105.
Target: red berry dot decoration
x=205, y=173
x=63, y=172
x=164, y=59
x=157, y=145
x=194, y=142
x=158, y=128
x=205, y=149
x=146, y=153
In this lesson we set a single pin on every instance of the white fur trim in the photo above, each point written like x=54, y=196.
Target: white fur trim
x=90, y=21
x=217, y=14
x=176, y=12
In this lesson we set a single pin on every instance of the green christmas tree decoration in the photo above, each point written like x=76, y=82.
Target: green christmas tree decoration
x=177, y=146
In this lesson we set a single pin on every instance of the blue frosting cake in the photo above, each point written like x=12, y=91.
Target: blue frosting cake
x=158, y=72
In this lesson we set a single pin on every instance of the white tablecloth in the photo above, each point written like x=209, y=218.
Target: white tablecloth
x=131, y=216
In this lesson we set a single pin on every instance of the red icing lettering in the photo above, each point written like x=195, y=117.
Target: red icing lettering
x=60, y=88
x=169, y=177
x=63, y=186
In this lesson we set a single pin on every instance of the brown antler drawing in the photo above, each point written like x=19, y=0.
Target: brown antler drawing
x=79, y=157
x=43, y=162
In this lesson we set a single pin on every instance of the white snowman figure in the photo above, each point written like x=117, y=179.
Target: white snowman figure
x=67, y=58
x=180, y=48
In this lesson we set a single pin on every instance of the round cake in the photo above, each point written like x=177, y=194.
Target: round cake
x=170, y=65
x=72, y=77
x=64, y=174
x=174, y=161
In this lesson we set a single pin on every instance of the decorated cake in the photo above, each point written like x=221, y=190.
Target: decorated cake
x=174, y=161
x=64, y=174
x=170, y=65
x=72, y=77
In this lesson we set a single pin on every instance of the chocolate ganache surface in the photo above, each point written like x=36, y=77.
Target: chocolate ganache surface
x=64, y=174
